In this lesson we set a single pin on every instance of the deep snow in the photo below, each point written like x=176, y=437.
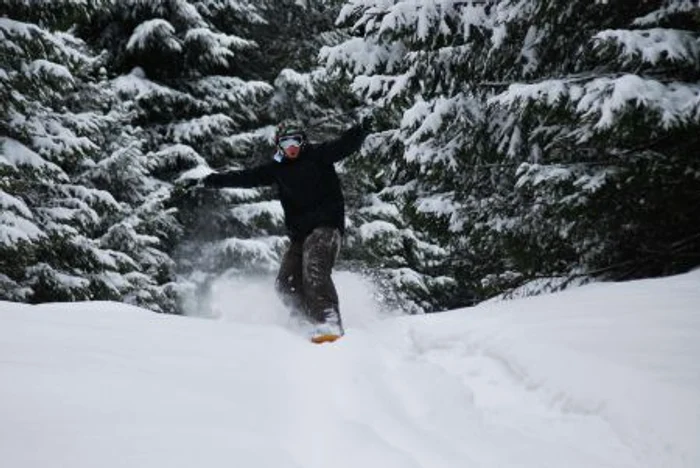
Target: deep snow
x=606, y=375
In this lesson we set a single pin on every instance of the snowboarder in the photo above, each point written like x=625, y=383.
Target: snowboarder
x=314, y=212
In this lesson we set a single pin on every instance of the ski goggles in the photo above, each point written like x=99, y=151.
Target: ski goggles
x=288, y=142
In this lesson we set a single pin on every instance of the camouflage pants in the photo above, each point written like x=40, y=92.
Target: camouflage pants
x=304, y=281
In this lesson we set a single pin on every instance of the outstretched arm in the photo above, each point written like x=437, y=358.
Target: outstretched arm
x=255, y=177
x=342, y=147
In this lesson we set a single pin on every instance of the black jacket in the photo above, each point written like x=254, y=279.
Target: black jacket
x=309, y=188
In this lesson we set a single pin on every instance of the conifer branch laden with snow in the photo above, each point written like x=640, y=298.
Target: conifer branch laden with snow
x=542, y=125
x=516, y=140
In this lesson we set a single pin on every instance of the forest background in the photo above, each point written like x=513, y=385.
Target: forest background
x=520, y=146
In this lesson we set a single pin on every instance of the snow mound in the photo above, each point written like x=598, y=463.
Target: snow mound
x=605, y=375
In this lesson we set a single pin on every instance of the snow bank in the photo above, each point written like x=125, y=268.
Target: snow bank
x=602, y=376
x=623, y=354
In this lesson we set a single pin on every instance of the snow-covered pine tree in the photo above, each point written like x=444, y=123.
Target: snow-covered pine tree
x=185, y=95
x=610, y=118
x=304, y=90
x=403, y=227
x=51, y=131
x=526, y=131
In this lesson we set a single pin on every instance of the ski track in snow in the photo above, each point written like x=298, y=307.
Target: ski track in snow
x=593, y=377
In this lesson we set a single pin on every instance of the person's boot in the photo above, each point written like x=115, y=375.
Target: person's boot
x=328, y=330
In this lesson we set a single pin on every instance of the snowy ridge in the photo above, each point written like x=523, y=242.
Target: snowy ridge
x=605, y=375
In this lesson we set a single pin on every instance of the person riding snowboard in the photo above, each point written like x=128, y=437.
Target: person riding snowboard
x=314, y=214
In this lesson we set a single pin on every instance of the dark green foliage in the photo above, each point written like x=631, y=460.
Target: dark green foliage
x=516, y=143
x=51, y=222
x=541, y=140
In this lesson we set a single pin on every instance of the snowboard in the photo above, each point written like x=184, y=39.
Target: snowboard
x=308, y=330
x=320, y=339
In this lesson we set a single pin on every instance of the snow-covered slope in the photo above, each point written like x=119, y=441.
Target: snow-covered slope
x=606, y=375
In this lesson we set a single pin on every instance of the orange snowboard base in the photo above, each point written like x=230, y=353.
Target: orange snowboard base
x=324, y=339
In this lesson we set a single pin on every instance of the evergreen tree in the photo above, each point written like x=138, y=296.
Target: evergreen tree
x=397, y=235
x=615, y=112
x=304, y=90
x=186, y=103
x=516, y=141
x=51, y=133
x=524, y=133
